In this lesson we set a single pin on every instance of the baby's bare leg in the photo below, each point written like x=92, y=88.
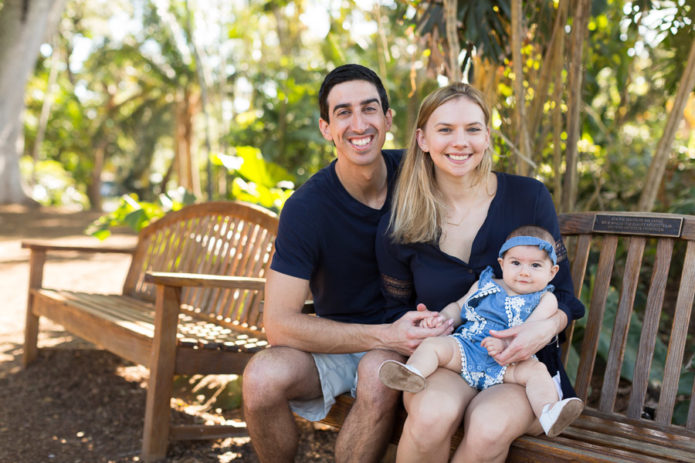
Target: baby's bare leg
x=431, y=354
x=435, y=352
x=534, y=376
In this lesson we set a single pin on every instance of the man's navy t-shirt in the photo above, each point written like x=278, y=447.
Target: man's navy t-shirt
x=327, y=237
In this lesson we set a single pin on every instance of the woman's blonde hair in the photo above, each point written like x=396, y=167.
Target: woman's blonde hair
x=418, y=209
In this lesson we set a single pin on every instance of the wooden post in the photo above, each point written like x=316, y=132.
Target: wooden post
x=160, y=385
x=37, y=259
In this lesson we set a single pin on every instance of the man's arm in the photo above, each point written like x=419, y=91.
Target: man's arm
x=286, y=325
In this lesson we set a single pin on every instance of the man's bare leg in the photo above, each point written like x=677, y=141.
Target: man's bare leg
x=272, y=378
x=367, y=429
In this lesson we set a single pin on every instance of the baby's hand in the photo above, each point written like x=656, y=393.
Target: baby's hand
x=434, y=321
x=493, y=345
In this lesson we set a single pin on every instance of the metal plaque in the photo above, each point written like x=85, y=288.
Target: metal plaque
x=628, y=224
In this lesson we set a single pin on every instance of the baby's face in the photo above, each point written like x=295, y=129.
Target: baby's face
x=527, y=269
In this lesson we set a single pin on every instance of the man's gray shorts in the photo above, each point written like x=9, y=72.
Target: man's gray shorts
x=338, y=375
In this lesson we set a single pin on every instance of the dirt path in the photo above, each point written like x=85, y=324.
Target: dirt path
x=103, y=272
x=80, y=404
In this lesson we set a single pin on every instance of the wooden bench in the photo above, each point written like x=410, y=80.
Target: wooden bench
x=191, y=304
x=633, y=270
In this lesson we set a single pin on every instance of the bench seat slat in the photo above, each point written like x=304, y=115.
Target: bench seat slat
x=612, y=441
x=636, y=429
x=109, y=309
x=530, y=449
x=138, y=317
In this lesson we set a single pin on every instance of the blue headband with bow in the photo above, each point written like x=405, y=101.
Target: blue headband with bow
x=530, y=241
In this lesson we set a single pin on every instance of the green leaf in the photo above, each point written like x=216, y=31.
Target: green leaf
x=253, y=168
x=101, y=234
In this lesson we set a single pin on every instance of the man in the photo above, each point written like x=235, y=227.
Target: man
x=325, y=246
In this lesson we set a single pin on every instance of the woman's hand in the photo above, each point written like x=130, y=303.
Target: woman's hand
x=528, y=338
x=494, y=346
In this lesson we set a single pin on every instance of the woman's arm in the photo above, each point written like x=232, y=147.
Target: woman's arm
x=396, y=276
x=528, y=338
x=546, y=217
x=545, y=309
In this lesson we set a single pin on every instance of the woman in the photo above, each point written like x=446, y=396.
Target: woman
x=450, y=215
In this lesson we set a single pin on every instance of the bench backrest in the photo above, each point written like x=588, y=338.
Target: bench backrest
x=636, y=275
x=218, y=238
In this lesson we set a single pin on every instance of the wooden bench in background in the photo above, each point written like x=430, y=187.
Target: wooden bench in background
x=649, y=260
x=191, y=304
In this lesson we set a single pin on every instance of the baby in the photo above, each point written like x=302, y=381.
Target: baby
x=529, y=262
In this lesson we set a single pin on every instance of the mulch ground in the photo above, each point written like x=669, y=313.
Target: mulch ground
x=77, y=403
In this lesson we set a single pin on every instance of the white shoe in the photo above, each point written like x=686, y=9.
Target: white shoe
x=400, y=376
x=557, y=416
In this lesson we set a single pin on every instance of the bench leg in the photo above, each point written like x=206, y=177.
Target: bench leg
x=160, y=385
x=31, y=336
x=31, y=323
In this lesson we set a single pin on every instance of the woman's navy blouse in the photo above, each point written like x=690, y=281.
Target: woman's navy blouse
x=422, y=273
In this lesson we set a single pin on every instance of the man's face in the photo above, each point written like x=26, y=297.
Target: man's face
x=357, y=123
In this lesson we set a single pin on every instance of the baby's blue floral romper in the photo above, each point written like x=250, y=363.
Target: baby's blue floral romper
x=489, y=308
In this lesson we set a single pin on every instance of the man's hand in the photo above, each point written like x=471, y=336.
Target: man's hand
x=523, y=340
x=406, y=333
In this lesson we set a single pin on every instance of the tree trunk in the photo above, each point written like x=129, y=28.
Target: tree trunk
x=450, y=8
x=24, y=24
x=522, y=139
x=663, y=149
x=45, y=109
x=202, y=81
x=558, y=126
x=548, y=71
x=94, y=185
x=186, y=165
x=582, y=13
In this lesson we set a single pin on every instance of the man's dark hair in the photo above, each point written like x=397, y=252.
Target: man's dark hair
x=347, y=73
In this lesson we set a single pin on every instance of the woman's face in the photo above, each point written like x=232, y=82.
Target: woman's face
x=456, y=137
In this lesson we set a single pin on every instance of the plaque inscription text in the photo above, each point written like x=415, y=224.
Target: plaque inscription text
x=656, y=226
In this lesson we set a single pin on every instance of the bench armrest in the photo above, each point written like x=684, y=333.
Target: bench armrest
x=52, y=246
x=205, y=281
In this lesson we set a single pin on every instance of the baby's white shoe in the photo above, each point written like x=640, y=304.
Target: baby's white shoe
x=557, y=416
x=400, y=376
